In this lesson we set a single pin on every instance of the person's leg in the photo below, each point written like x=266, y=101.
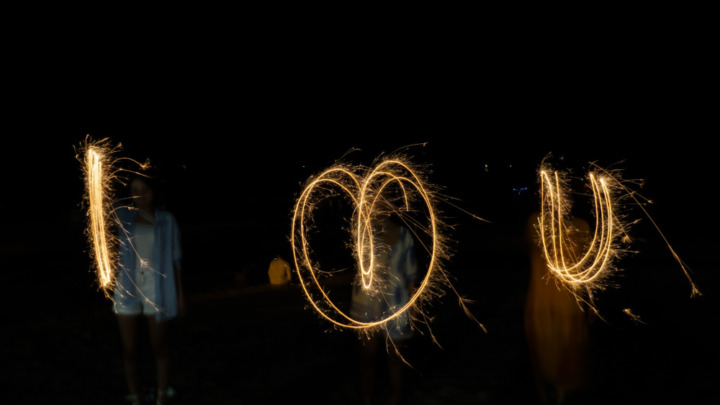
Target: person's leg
x=368, y=355
x=129, y=333
x=395, y=374
x=159, y=340
x=561, y=392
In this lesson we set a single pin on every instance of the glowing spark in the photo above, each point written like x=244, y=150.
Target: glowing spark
x=683, y=265
x=632, y=316
x=392, y=186
x=567, y=266
x=587, y=270
x=98, y=170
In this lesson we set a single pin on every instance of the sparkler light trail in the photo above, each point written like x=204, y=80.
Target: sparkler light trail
x=394, y=185
x=628, y=312
x=98, y=169
x=632, y=195
x=589, y=270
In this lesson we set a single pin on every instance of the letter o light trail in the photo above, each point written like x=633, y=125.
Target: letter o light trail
x=371, y=196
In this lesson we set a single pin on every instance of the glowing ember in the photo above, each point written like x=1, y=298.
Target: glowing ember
x=585, y=272
x=392, y=186
x=98, y=172
x=553, y=222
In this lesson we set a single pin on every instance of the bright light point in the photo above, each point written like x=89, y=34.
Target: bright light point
x=97, y=169
x=100, y=173
x=574, y=268
x=394, y=185
x=584, y=268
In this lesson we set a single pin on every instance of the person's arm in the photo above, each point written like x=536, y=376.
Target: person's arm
x=177, y=265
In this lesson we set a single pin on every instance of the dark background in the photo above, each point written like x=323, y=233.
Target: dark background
x=235, y=131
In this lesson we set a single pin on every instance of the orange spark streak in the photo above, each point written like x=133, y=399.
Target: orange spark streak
x=694, y=290
x=553, y=232
x=98, y=171
x=371, y=196
x=588, y=270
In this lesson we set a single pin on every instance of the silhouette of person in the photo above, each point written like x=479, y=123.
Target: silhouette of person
x=279, y=271
x=397, y=281
x=556, y=322
x=149, y=283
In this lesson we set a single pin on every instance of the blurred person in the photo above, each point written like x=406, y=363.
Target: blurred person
x=149, y=284
x=279, y=271
x=556, y=322
x=398, y=282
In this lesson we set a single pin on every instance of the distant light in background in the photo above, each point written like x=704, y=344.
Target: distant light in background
x=519, y=190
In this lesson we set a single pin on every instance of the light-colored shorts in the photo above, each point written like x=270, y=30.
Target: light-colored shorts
x=136, y=306
x=143, y=301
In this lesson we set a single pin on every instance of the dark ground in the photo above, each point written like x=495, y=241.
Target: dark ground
x=256, y=345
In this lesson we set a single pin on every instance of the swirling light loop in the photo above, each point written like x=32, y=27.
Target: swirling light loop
x=371, y=196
